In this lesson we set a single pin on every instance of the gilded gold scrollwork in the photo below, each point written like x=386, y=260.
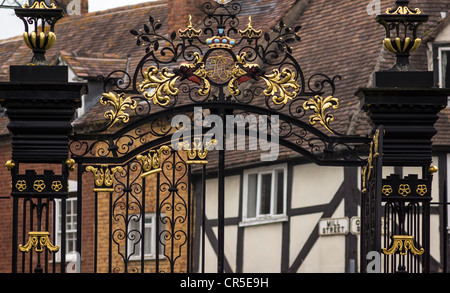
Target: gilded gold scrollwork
x=320, y=106
x=403, y=243
x=159, y=85
x=151, y=163
x=38, y=241
x=40, y=5
x=281, y=86
x=120, y=103
x=196, y=73
x=367, y=170
x=402, y=10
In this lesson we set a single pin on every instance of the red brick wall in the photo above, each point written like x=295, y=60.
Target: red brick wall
x=179, y=10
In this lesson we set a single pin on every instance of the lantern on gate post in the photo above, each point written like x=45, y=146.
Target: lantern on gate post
x=39, y=18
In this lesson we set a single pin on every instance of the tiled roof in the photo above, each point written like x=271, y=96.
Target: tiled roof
x=91, y=65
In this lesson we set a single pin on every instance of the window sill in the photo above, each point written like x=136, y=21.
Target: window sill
x=147, y=257
x=263, y=220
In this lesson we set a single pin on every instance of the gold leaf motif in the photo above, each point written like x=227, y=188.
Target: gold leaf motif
x=320, y=105
x=104, y=176
x=159, y=85
x=120, y=103
x=197, y=152
x=282, y=86
x=404, y=189
x=403, y=243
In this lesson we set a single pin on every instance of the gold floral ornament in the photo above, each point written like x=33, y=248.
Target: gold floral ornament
x=387, y=190
x=422, y=189
x=38, y=241
x=104, y=177
x=190, y=31
x=197, y=152
x=39, y=186
x=404, y=189
x=57, y=186
x=21, y=185
x=281, y=86
x=120, y=103
x=158, y=85
x=403, y=243
x=151, y=163
x=320, y=106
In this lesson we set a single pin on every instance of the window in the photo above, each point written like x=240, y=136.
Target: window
x=71, y=223
x=444, y=66
x=148, y=238
x=265, y=194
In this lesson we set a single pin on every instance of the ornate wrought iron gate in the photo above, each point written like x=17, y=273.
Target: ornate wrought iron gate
x=135, y=173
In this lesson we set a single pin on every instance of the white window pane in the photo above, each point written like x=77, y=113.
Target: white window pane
x=265, y=196
x=252, y=187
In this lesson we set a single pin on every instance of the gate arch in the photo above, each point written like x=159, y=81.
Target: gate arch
x=254, y=76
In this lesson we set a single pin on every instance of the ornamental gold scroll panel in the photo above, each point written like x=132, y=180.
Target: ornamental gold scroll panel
x=207, y=65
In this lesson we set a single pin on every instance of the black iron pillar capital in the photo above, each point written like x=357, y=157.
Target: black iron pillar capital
x=41, y=105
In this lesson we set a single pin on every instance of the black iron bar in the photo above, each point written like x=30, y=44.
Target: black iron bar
x=143, y=226
x=95, y=230
x=221, y=200
x=14, y=235
x=188, y=262
x=203, y=216
x=63, y=234
x=80, y=171
x=110, y=232
x=158, y=221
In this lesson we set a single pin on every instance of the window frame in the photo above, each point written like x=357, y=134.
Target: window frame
x=260, y=218
x=70, y=255
x=440, y=48
x=154, y=234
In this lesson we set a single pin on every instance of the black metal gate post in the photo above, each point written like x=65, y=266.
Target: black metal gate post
x=40, y=104
x=406, y=104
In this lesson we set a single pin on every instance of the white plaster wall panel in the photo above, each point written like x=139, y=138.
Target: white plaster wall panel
x=262, y=249
x=315, y=185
